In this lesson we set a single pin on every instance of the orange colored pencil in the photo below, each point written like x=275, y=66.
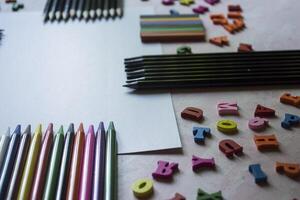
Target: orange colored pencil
x=75, y=172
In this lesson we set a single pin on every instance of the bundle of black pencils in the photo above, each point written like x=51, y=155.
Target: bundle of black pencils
x=82, y=9
x=213, y=69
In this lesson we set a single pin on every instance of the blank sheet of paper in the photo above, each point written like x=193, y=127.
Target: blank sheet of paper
x=73, y=72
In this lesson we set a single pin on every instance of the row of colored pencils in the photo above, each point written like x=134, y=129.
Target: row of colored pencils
x=82, y=9
x=61, y=166
x=213, y=69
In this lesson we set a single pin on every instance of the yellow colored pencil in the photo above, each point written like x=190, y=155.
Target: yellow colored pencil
x=28, y=174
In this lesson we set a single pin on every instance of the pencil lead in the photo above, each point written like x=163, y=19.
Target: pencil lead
x=101, y=128
x=111, y=126
x=28, y=129
x=18, y=129
x=80, y=129
x=38, y=129
x=51, y=16
x=61, y=130
x=91, y=129
x=71, y=128
x=49, y=128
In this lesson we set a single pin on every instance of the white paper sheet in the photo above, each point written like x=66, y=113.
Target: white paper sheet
x=73, y=72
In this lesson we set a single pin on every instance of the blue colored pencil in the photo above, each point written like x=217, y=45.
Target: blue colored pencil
x=9, y=161
x=19, y=164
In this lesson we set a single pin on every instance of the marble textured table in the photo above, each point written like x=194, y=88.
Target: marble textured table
x=270, y=25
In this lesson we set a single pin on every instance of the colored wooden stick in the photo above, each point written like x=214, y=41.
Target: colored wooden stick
x=99, y=170
x=9, y=161
x=30, y=166
x=53, y=172
x=75, y=171
x=16, y=176
x=88, y=165
x=41, y=170
x=65, y=164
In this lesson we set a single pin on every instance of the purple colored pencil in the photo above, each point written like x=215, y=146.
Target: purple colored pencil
x=99, y=171
x=88, y=165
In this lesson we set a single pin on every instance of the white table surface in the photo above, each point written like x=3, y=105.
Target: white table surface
x=270, y=25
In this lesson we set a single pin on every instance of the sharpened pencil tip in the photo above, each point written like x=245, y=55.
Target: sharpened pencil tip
x=65, y=15
x=112, y=12
x=71, y=128
x=92, y=14
x=78, y=14
x=85, y=14
x=28, y=129
x=57, y=15
x=101, y=127
x=119, y=12
x=111, y=126
x=61, y=130
x=91, y=129
x=38, y=129
x=81, y=129
x=72, y=13
x=50, y=128
x=105, y=13
x=18, y=129
x=99, y=13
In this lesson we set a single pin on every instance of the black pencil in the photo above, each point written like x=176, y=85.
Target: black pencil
x=119, y=8
x=59, y=9
x=80, y=8
x=92, y=11
x=66, y=9
x=46, y=9
x=213, y=69
x=99, y=8
x=105, y=9
x=112, y=6
x=51, y=14
x=86, y=10
x=72, y=12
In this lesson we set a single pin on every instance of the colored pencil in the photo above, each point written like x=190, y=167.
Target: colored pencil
x=66, y=9
x=111, y=164
x=80, y=8
x=47, y=9
x=73, y=8
x=88, y=165
x=99, y=8
x=105, y=9
x=9, y=161
x=99, y=170
x=86, y=9
x=30, y=166
x=92, y=11
x=65, y=163
x=75, y=171
x=119, y=8
x=52, y=10
x=19, y=164
x=4, y=141
x=53, y=172
x=111, y=9
x=42, y=166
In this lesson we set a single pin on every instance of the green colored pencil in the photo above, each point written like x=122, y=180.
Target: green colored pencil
x=110, y=190
x=53, y=173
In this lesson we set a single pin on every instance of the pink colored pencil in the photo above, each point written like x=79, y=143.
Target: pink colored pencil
x=88, y=165
x=41, y=170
